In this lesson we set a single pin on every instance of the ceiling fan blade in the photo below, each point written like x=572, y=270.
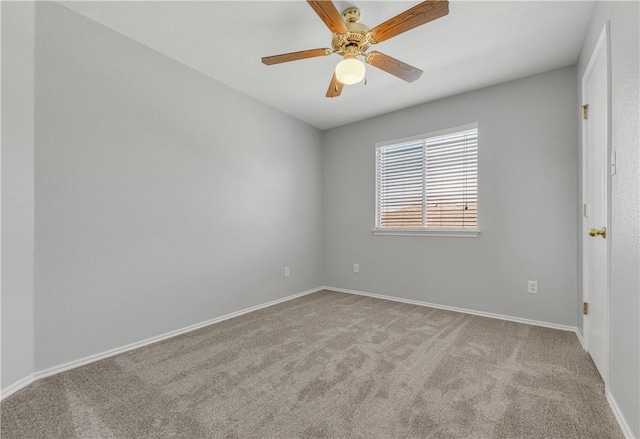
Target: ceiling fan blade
x=330, y=15
x=335, y=87
x=293, y=56
x=418, y=15
x=393, y=66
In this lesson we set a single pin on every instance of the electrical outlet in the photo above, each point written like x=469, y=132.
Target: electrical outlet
x=287, y=271
x=356, y=268
x=532, y=287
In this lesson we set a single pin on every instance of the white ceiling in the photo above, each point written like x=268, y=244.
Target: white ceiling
x=478, y=44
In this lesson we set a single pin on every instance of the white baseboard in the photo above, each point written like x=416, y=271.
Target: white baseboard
x=581, y=340
x=456, y=309
x=13, y=388
x=111, y=352
x=622, y=422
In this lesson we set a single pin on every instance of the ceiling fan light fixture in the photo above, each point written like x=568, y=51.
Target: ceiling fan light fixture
x=350, y=70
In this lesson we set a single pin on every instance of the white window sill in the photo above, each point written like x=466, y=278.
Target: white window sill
x=452, y=233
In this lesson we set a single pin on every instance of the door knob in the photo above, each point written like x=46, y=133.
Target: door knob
x=595, y=232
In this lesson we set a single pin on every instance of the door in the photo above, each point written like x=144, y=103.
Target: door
x=595, y=88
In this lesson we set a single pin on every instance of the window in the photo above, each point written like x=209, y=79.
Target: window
x=428, y=184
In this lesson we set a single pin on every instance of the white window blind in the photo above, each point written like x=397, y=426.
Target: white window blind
x=429, y=183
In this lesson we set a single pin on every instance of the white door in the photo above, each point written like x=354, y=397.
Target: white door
x=595, y=186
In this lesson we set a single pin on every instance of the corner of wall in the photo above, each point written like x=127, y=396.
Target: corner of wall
x=17, y=225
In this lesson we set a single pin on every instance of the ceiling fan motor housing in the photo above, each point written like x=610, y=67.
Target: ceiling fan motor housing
x=357, y=40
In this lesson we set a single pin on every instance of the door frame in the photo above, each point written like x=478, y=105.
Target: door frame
x=602, y=47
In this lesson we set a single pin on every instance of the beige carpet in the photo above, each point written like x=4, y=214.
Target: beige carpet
x=329, y=365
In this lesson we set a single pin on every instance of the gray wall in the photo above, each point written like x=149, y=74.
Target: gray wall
x=163, y=198
x=17, y=191
x=624, y=381
x=528, y=155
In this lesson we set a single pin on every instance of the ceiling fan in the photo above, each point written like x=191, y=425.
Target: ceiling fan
x=351, y=39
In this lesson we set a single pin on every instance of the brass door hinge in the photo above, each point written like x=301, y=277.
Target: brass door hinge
x=585, y=308
x=585, y=111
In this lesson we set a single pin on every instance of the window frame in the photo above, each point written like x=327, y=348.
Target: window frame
x=423, y=231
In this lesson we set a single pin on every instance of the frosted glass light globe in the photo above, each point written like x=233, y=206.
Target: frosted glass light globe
x=350, y=71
